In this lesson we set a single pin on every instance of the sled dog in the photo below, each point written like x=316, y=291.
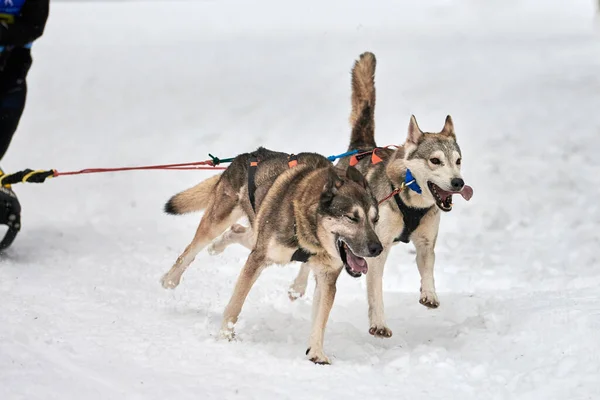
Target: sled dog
x=300, y=208
x=425, y=172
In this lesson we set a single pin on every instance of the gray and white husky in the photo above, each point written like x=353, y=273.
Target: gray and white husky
x=425, y=173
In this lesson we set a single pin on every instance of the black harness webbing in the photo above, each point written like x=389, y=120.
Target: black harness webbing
x=412, y=218
x=252, y=182
x=301, y=255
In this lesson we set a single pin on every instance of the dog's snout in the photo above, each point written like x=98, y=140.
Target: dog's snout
x=375, y=249
x=457, y=184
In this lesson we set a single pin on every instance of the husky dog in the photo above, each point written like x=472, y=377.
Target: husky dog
x=300, y=209
x=424, y=174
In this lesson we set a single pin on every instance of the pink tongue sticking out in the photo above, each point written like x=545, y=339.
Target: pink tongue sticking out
x=357, y=264
x=467, y=192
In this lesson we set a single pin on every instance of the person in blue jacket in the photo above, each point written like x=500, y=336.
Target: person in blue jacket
x=21, y=23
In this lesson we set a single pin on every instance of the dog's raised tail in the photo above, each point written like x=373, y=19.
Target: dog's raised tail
x=192, y=199
x=362, y=118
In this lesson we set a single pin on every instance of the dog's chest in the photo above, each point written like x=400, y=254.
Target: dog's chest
x=279, y=253
x=390, y=224
x=395, y=226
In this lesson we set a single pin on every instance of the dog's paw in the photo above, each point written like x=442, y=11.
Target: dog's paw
x=380, y=331
x=429, y=299
x=170, y=282
x=227, y=332
x=317, y=356
x=295, y=292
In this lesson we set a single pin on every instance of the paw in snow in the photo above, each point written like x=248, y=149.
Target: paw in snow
x=380, y=331
x=227, y=333
x=170, y=282
x=317, y=356
x=429, y=299
x=295, y=292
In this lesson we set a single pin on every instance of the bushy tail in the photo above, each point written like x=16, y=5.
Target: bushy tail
x=362, y=118
x=193, y=199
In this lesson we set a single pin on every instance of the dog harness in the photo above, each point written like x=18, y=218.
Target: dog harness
x=300, y=255
x=375, y=159
x=411, y=216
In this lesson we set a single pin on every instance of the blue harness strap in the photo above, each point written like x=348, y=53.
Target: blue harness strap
x=346, y=154
x=411, y=182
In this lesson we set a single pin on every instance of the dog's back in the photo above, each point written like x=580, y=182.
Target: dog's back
x=234, y=180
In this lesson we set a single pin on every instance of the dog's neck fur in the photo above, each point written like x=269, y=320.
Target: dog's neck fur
x=306, y=216
x=307, y=226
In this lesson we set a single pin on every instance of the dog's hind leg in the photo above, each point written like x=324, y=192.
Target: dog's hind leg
x=255, y=263
x=322, y=303
x=221, y=213
x=236, y=234
x=298, y=288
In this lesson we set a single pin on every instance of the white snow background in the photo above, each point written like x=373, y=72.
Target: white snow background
x=82, y=315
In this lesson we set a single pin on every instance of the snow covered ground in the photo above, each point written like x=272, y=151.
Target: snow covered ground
x=82, y=315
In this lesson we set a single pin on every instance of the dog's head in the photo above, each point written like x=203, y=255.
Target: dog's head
x=348, y=213
x=434, y=160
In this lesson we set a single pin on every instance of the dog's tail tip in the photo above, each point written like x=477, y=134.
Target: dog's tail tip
x=193, y=199
x=170, y=207
x=368, y=58
x=364, y=68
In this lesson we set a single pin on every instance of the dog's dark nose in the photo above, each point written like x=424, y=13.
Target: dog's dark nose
x=457, y=184
x=375, y=249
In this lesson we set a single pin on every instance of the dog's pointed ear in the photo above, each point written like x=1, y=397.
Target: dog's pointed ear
x=414, y=132
x=330, y=189
x=354, y=175
x=449, y=127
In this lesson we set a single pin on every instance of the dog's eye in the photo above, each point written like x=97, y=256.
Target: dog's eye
x=435, y=161
x=352, y=218
x=376, y=219
x=458, y=162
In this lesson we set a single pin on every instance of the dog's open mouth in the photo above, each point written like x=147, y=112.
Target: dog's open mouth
x=443, y=198
x=355, y=265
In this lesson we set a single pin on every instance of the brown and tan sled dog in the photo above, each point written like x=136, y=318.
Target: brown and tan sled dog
x=300, y=208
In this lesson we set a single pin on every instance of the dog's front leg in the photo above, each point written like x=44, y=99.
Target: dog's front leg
x=377, y=323
x=425, y=261
x=251, y=271
x=298, y=288
x=322, y=303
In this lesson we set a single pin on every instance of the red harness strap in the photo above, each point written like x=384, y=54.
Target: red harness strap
x=292, y=160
